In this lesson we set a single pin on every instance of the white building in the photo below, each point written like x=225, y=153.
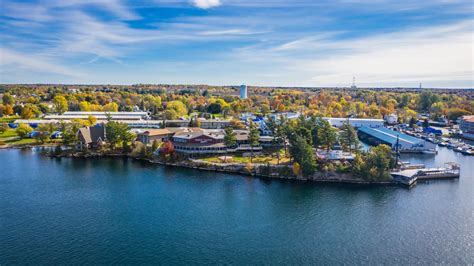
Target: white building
x=391, y=119
x=99, y=115
x=355, y=122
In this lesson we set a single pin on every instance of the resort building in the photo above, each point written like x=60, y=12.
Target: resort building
x=467, y=126
x=214, y=123
x=205, y=141
x=91, y=137
x=148, y=136
x=406, y=143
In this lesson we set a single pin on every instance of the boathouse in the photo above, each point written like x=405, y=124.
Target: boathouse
x=406, y=143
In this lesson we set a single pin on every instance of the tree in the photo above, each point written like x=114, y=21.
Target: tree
x=110, y=107
x=155, y=145
x=376, y=164
x=167, y=150
x=91, y=120
x=84, y=106
x=214, y=108
x=8, y=99
x=277, y=135
x=23, y=130
x=348, y=137
x=230, y=139
x=26, y=112
x=254, y=138
x=60, y=104
x=8, y=110
x=177, y=106
x=117, y=133
x=44, y=132
x=70, y=132
x=326, y=134
x=303, y=154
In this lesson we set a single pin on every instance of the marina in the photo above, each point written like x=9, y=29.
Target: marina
x=410, y=174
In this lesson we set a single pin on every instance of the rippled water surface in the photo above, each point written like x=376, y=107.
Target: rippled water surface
x=126, y=212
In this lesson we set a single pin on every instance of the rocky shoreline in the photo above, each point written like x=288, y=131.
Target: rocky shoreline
x=259, y=170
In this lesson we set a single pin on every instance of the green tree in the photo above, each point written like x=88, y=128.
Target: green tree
x=117, y=133
x=348, y=137
x=254, y=138
x=327, y=134
x=303, y=154
x=70, y=133
x=276, y=130
x=60, y=104
x=230, y=139
x=8, y=99
x=376, y=164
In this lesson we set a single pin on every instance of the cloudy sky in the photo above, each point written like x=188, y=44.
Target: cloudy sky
x=229, y=42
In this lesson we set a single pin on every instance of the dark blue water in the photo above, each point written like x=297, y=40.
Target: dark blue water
x=119, y=211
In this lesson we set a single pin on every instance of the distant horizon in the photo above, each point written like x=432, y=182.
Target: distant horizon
x=236, y=85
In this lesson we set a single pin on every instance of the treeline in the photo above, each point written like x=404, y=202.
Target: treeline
x=31, y=101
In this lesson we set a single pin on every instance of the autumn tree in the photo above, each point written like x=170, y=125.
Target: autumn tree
x=60, y=104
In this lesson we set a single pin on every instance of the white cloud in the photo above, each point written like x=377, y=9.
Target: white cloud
x=432, y=55
x=205, y=4
x=10, y=60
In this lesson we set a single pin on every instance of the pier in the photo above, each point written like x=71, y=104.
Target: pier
x=409, y=176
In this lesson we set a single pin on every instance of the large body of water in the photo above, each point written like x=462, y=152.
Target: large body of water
x=118, y=211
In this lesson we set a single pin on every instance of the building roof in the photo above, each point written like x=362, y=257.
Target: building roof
x=468, y=118
x=389, y=136
x=92, y=134
x=157, y=132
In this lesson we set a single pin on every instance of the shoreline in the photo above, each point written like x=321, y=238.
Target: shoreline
x=321, y=177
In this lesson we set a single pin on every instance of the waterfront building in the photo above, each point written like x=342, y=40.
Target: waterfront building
x=91, y=137
x=406, y=143
x=206, y=141
x=243, y=91
x=148, y=136
x=467, y=126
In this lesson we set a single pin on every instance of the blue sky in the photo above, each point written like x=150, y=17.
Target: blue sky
x=229, y=42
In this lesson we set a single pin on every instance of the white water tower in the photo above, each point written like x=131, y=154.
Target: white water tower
x=243, y=91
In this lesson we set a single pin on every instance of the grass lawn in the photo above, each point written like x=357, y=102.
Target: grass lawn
x=9, y=119
x=10, y=137
x=8, y=134
x=17, y=141
x=240, y=159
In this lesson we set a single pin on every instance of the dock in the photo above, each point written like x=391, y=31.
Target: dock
x=409, y=176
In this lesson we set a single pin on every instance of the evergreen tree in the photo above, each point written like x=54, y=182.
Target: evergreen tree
x=348, y=137
x=230, y=139
x=326, y=134
x=254, y=138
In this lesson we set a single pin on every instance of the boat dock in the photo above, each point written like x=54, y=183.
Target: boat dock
x=409, y=176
